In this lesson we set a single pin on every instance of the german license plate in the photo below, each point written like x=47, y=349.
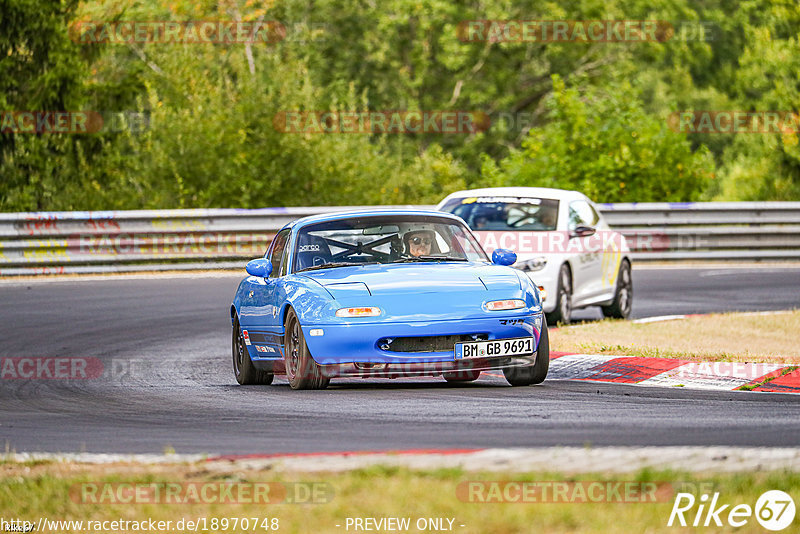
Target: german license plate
x=521, y=346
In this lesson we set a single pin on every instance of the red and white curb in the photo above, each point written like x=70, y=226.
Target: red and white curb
x=664, y=372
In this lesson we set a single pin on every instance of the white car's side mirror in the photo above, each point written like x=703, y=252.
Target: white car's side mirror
x=582, y=231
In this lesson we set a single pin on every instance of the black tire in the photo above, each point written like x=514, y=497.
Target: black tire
x=620, y=308
x=464, y=375
x=563, y=310
x=301, y=369
x=243, y=369
x=535, y=374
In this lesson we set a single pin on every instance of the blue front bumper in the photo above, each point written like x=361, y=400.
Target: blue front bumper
x=360, y=342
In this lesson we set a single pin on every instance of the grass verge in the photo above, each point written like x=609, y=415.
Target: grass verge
x=728, y=337
x=53, y=490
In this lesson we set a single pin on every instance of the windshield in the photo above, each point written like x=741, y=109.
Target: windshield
x=506, y=213
x=384, y=239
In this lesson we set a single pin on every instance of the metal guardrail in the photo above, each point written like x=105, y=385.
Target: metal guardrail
x=709, y=230
x=145, y=240
x=140, y=240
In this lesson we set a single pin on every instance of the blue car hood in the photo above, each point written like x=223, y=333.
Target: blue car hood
x=420, y=292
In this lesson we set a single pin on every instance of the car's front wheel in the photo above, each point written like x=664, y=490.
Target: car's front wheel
x=301, y=369
x=536, y=373
x=620, y=308
x=243, y=369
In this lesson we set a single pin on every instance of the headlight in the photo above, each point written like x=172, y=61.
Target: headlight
x=500, y=305
x=542, y=292
x=535, y=264
x=358, y=312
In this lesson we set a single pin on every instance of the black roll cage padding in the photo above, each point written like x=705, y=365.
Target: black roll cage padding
x=369, y=248
x=361, y=248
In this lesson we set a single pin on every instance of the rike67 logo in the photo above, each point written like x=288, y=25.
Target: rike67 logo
x=774, y=510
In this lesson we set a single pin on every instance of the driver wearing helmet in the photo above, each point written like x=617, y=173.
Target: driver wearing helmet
x=418, y=242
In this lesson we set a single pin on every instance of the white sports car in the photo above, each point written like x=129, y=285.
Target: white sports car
x=561, y=241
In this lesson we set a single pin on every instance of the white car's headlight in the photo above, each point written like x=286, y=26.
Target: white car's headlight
x=500, y=305
x=535, y=264
x=370, y=311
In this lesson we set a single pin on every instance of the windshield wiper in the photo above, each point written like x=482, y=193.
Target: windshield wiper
x=428, y=258
x=337, y=264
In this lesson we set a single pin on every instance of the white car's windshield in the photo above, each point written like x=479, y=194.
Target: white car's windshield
x=506, y=213
x=384, y=239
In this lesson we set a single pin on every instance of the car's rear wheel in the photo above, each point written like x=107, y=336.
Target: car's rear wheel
x=465, y=375
x=563, y=310
x=243, y=369
x=536, y=373
x=620, y=308
x=301, y=369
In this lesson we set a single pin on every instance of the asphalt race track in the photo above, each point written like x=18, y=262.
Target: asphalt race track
x=165, y=348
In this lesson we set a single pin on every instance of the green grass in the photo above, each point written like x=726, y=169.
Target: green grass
x=727, y=337
x=44, y=490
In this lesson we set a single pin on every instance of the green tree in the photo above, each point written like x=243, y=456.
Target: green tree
x=211, y=139
x=766, y=166
x=41, y=70
x=603, y=144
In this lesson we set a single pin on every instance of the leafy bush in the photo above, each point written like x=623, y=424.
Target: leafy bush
x=603, y=144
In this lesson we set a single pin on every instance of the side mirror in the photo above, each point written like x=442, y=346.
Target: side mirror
x=503, y=256
x=259, y=267
x=582, y=231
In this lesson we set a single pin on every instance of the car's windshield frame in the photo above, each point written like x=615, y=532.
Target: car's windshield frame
x=384, y=244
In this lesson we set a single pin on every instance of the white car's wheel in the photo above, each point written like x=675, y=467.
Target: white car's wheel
x=620, y=308
x=563, y=310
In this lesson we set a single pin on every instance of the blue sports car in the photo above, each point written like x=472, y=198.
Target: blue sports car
x=385, y=293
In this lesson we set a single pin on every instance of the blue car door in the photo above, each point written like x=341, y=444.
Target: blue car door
x=262, y=301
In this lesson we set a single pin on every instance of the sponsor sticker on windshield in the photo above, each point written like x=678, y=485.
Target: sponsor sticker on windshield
x=502, y=200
